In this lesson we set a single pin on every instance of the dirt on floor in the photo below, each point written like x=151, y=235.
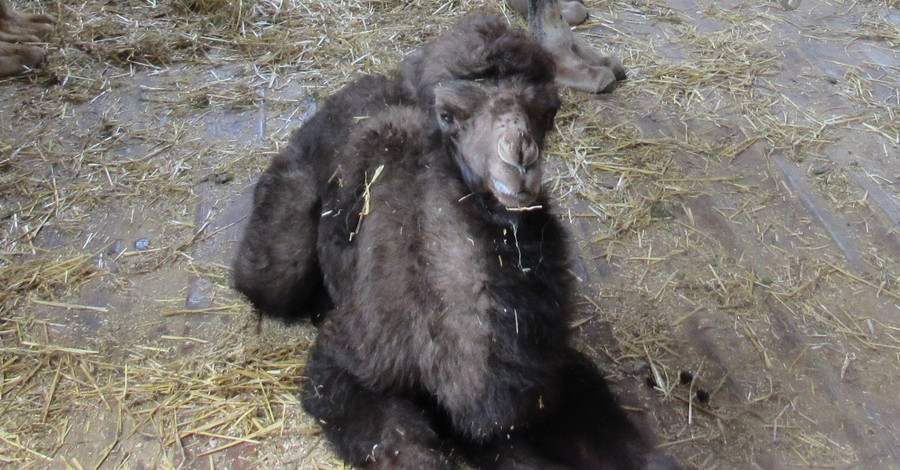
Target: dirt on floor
x=735, y=204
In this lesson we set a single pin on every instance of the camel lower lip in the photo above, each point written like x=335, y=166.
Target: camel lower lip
x=507, y=192
x=510, y=198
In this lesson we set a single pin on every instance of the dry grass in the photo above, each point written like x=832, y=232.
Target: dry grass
x=238, y=394
x=704, y=109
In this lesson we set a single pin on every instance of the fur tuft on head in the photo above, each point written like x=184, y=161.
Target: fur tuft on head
x=483, y=48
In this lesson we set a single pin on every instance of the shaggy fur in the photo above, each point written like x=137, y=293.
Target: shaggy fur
x=448, y=273
x=277, y=265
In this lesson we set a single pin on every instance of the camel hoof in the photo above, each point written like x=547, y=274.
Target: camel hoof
x=574, y=12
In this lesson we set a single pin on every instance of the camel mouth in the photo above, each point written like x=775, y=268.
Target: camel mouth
x=510, y=198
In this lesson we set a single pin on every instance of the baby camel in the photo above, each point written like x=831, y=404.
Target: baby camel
x=413, y=204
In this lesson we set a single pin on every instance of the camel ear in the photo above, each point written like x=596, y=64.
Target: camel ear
x=515, y=53
x=411, y=69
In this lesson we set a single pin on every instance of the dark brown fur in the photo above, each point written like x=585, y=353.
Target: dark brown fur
x=451, y=304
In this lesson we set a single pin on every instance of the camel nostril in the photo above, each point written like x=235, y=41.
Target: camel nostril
x=530, y=152
x=517, y=149
x=506, y=152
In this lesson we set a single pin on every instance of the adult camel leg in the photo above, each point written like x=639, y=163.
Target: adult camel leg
x=573, y=11
x=15, y=29
x=578, y=65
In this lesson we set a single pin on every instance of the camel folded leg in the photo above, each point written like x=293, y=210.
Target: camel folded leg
x=369, y=429
x=276, y=265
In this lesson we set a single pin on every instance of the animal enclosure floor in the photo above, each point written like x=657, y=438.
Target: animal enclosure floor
x=735, y=205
